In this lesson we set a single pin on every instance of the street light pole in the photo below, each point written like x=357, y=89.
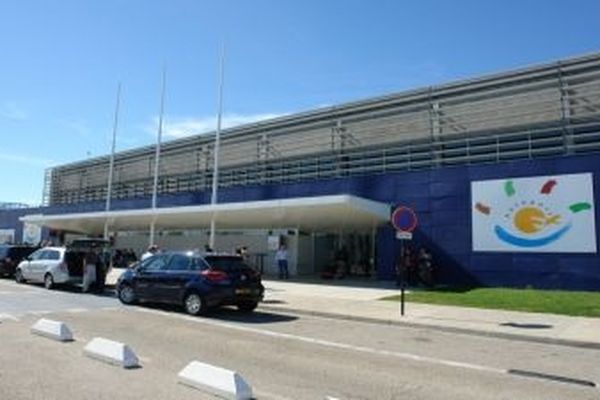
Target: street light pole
x=215, y=180
x=157, y=155
x=111, y=166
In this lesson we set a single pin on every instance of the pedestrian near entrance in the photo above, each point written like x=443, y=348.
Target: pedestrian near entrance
x=342, y=260
x=152, y=250
x=425, y=261
x=102, y=266
x=89, y=270
x=282, y=262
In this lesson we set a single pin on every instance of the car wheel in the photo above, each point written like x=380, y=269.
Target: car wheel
x=127, y=294
x=194, y=304
x=48, y=281
x=19, y=276
x=247, y=306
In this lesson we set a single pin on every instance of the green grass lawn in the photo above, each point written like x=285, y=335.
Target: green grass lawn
x=543, y=301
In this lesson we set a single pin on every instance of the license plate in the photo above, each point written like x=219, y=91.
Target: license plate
x=244, y=291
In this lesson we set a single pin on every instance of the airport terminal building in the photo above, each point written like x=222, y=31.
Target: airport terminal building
x=502, y=172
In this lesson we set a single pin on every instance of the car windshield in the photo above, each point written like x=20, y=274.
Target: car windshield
x=3, y=251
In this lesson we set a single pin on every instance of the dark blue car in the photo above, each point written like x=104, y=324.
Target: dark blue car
x=196, y=281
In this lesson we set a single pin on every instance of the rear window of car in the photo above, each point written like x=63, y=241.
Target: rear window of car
x=51, y=255
x=183, y=262
x=226, y=264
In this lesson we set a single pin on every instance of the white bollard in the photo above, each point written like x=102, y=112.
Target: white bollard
x=56, y=330
x=215, y=380
x=111, y=352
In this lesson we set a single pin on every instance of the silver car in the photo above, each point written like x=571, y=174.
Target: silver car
x=47, y=266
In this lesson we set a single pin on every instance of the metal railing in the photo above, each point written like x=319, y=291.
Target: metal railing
x=541, y=113
x=531, y=143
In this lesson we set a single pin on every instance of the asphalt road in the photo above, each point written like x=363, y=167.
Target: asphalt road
x=282, y=356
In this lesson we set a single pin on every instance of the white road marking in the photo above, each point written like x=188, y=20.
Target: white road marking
x=111, y=308
x=76, y=310
x=18, y=288
x=40, y=312
x=327, y=343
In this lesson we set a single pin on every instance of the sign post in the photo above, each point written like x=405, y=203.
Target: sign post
x=405, y=221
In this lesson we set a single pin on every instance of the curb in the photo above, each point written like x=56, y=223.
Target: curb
x=442, y=328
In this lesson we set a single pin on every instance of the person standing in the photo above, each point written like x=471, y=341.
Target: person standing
x=102, y=268
x=152, y=250
x=244, y=254
x=425, y=261
x=282, y=262
x=89, y=269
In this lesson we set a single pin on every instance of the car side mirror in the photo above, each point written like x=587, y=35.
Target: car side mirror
x=28, y=258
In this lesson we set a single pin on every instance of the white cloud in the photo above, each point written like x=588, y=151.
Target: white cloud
x=10, y=110
x=177, y=127
x=27, y=160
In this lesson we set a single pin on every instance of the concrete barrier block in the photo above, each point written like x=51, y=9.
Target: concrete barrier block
x=111, y=352
x=56, y=330
x=215, y=380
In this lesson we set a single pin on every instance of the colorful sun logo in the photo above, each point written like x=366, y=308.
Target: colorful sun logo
x=533, y=222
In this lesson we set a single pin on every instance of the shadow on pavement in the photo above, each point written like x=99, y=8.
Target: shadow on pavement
x=527, y=326
x=350, y=282
x=255, y=317
x=273, y=301
x=107, y=292
x=230, y=314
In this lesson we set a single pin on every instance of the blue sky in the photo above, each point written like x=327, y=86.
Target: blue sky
x=61, y=61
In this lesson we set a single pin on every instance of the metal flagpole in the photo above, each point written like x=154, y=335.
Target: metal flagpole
x=111, y=166
x=157, y=154
x=215, y=181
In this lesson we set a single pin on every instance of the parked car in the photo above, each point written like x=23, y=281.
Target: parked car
x=198, y=282
x=59, y=265
x=11, y=256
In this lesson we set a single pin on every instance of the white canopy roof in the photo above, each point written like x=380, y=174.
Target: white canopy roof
x=323, y=214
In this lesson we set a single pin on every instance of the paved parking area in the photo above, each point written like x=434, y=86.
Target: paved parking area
x=18, y=300
x=284, y=356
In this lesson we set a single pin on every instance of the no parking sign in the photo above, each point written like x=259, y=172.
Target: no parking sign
x=405, y=221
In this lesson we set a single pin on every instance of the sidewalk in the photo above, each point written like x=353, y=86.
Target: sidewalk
x=341, y=300
x=359, y=300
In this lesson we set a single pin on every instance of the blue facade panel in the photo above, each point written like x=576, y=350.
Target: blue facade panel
x=441, y=199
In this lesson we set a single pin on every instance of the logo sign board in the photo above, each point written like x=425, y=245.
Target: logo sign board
x=549, y=214
x=32, y=234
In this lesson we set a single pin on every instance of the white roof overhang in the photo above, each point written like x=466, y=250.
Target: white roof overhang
x=323, y=214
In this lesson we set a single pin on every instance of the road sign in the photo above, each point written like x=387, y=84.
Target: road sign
x=400, y=235
x=404, y=219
